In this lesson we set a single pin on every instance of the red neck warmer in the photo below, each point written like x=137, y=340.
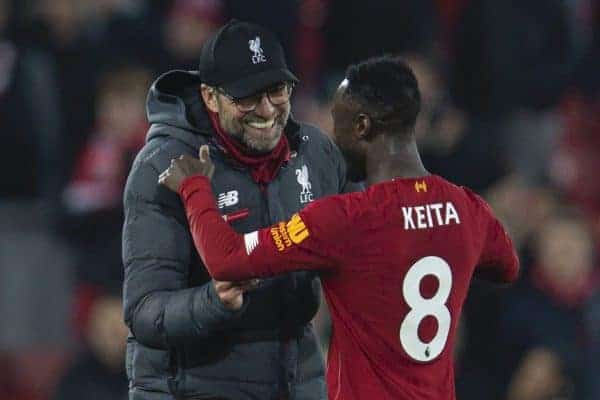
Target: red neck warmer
x=264, y=167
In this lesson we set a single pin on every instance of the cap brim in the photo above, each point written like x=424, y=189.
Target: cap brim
x=256, y=82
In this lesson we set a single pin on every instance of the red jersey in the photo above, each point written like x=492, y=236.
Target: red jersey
x=395, y=262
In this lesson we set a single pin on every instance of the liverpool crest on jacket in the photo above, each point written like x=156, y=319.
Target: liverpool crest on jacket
x=306, y=196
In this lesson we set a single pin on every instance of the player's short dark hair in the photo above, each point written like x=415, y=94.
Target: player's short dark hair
x=387, y=89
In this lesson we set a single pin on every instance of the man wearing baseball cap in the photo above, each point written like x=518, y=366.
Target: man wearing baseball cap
x=190, y=336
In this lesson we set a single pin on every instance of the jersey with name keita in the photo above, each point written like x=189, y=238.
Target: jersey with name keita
x=395, y=262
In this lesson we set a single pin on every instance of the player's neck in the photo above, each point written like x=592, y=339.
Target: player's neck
x=391, y=158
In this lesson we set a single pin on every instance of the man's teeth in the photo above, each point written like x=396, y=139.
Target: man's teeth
x=261, y=125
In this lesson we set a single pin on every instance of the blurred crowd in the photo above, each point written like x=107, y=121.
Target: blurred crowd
x=511, y=109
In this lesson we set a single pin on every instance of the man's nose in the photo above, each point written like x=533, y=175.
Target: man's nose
x=265, y=108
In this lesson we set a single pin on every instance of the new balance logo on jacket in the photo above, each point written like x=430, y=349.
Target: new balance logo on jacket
x=228, y=199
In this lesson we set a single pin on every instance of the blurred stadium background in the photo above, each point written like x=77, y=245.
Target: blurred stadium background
x=512, y=105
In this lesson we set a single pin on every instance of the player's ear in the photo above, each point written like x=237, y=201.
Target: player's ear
x=209, y=96
x=362, y=126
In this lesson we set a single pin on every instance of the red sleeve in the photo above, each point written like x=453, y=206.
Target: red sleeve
x=498, y=261
x=298, y=244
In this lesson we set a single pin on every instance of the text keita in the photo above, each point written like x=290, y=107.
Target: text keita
x=430, y=216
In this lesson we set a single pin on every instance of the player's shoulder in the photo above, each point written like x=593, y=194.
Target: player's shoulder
x=450, y=188
x=365, y=207
x=348, y=203
x=476, y=204
x=338, y=211
x=476, y=200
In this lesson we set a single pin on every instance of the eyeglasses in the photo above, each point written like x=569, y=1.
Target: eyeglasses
x=277, y=95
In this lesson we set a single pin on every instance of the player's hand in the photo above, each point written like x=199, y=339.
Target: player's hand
x=186, y=166
x=231, y=294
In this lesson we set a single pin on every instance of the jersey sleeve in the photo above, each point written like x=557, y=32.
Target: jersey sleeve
x=498, y=261
x=301, y=243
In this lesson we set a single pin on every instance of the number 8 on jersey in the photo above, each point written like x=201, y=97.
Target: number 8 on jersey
x=421, y=307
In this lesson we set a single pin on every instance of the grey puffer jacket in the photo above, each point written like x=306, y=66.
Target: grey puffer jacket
x=183, y=342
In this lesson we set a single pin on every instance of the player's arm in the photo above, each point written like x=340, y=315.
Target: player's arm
x=499, y=261
x=297, y=244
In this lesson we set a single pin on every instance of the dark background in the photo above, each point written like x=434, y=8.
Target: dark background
x=511, y=105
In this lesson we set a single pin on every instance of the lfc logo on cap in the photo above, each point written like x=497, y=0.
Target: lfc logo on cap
x=258, y=56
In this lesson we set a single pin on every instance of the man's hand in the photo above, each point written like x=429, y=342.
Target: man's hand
x=231, y=294
x=186, y=166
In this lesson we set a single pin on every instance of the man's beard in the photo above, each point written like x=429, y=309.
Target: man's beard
x=259, y=145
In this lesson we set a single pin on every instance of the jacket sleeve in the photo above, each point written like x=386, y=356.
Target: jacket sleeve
x=302, y=297
x=159, y=306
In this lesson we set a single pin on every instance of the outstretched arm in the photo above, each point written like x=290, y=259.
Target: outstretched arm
x=284, y=247
x=281, y=248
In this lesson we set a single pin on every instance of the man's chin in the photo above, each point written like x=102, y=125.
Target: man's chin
x=262, y=144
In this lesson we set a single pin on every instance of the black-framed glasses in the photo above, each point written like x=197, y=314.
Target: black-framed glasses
x=277, y=95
